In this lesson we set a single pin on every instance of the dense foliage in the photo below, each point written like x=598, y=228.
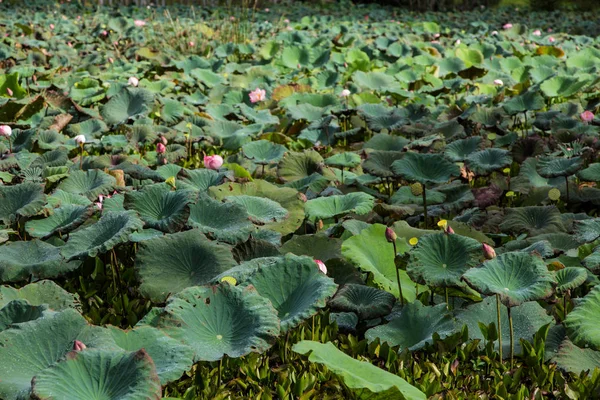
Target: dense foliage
x=298, y=203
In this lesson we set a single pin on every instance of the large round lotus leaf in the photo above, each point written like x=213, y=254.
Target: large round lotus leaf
x=371, y=252
x=587, y=230
x=296, y=166
x=254, y=248
x=111, y=230
x=528, y=318
x=31, y=347
x=95, y=373
x=441, y=259
x=91, y=183
x=171, y=263
x=228, y=222
x=413, y=327
x=246, y=269
x=404, y=195
x=55, y=158
x=534, y=220
x=591, y=173
x=42, y=292
x=425, y=168
x=220, y=320
x=383, y=141
x=592, y=262
x=461, y=149
x=379, y=163
x=25, y=199
x=295, y=287
x=488, y=160
x=61, y=198
x=199, y=179
x=575, y=359
x=318, y=246
x=367, y=302
x=334, y=206
x=159, y=207
x=263, y=151
x=516, y=277
x=570, y=278
x=128, y=103
x=582, y=323
x=552, y=167
x=348, y=160
x=171, y=357
x=63, y=220
x=21, y=260
x=288, y=198
x=260, y=210
x=18, y=311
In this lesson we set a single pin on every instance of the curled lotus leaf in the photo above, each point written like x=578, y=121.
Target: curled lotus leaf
x=18, y=311
x=25, y=199
x=485, y=161
x=228, y=222
x=379, y=163
x=534, y=220
x=582, y=323
x=90, y=183
x=63, y=220
x=570, y=278
x=366, y=301
x=552, y=167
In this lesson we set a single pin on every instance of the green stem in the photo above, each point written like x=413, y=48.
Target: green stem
x=565, y=306
x=9, y=145
x=81, y=158
x=567, y=184
x=220, y=371
x=116, y=271
x=512, y=345
x=447, y=303
x=313, y=328
x=499, y=326
x=425, y=205
x=398, y=275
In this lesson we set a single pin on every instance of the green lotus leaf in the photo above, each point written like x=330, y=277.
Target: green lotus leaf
x=199, y=179
x=334, y=206
x=528, y=101
x=114, y=203
x=528, y=318
x=359, y=374
x=159, y=207
x=318, y=246
x=516, y=277
x=254, y=248
x=371, y=252
x=348, y=160
x=264, y=152
x=128, y=103
x=591, y=173
x=575, y=359
x=404, y=195
x=563, y=86
x=89, y=128
x=383, y=141
x=379, y=163
x=117, y=375
x=470, y=56
x=22, y=260
x=533, y=220
x=440, y=259
x=111, y=230
x=171, y=358
x=54, y=158
x=413, y=327
x=367, y=302
x=345, y=321
x=63, y=220
x=25, y=199
x=260, y=210
x=61, y=198
x=377, y=81
x=315, y=182
x=488, y=160
x=42, y=292
x=460, y=150
x=28, y=349
x=91, y=183
x=570, y=278
x=425, y=168
x=137, y=171
x=296, y=166
x=552, y=167
x=592, y=262
x=582, y=323
x=171, y=263
x=288, y=198
x=220, y=320
x=18, y=311
x=587, y=230
x=227, y=222
x=295, y=287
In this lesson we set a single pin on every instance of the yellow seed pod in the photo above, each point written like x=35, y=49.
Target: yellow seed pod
x=554, y=194
x=416, y=189
x=510, y=194
x=442, y=223
x=229, y=279
x=171, y=182
x=413, y=241
x=506, y=171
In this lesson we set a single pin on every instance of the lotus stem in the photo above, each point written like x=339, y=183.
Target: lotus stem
x=447, y=303
x=512, y=345
x=263, y=171
x=313, y=328
x=425, y=205
x=116, y=271
x=342, y=175
x=567, y=184
x=81, y=157
x=220, y=371
x=9, y=145
x=565, y=306
x=398, y=276
x=499, y=326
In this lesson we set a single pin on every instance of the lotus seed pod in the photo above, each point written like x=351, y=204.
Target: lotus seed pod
x=416, y=189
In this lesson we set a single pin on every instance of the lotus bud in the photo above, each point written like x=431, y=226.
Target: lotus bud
x=164, y=140
x=498, y=82
x=488, y=251
x=448, y=230
x=213, y=162
x=390, y=235
x=51, y=26
x=133, y=81
x=537, y=32
x=78, y=346
x=507, y=26
x=80, y=140
x=303, y=197
x=345, y=93
x=494, y=33
x=9, y=91
x=319, y=224
x=551, y=39
x=160, y=148
x=5, y=130
x=322, y=266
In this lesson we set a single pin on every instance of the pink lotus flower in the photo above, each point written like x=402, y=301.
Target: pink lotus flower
x=104, y=33
x=51, y=26
x=161, y=148
x=5, y=131
x=164, y=140
x=267, y=10
x=213, y=162
x=345, y=93
x=448, y=230
x=551, y=39
x=80, y=140
x=9, y=91
x=69, y=44
x=537, y=32
x=257, y=95
x=191, y=44
x=139, y=22
x=437, y=35
x=494, y=33
x=435, y=42
x=488, y=251
x=133, y=81
x=78, y=346
x=587, y=116
x=507, y=26
x=287, y=21
x=322, y=266
x=498, y=82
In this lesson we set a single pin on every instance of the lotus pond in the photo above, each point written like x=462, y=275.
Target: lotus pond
x=302, y=202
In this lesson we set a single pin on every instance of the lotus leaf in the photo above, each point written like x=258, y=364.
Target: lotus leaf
x=550, y=167
x=228, y=222
x=25, y=199
x=570, y=278
x=577, y=360
x=318, y=246
x=335, y=206
x=533, y=220
x=264, y=152
x=260, y=210
x=91, y=183
x=18, y=311
x=63, y=220
x=128, y=103
x=367, y=302
x=42, y=292
x=485, y=161
x=425, y=168
x=582, y=323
